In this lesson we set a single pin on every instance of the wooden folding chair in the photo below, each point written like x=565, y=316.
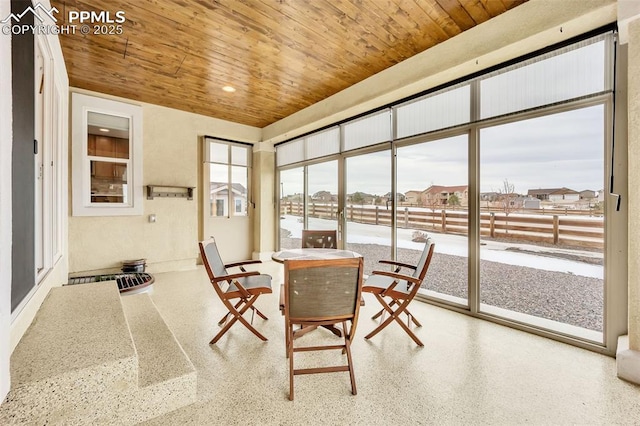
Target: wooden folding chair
x=322, y=292
x=400, y=289
x=319, y=238
x=245, y=286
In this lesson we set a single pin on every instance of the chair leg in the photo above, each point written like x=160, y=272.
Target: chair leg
x=286, y=339
x=237, y=305
x=410, y=316
x=413, y=319
x=384, y=323
x=226, y=316
x=223, y=319
x=382, y=311
x=347, y=347
x=246, y=323
x=376, y=316
x=393, y=316
x=237, y=316
x=226, y=327
x=260, y=314
x=290, y=356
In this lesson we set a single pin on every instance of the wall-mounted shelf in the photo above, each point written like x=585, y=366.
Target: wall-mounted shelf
x=169, y=191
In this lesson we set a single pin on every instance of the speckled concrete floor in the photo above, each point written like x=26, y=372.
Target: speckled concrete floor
x=469, y=372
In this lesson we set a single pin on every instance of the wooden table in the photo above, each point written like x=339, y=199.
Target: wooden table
x=311, y=254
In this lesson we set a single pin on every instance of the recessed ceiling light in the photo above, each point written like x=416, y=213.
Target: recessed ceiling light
x=104, y=130
x=229, y=89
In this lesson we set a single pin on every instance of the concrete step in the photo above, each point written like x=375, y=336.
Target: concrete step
x=92, y=357
x=77, y=348
x=166, y=376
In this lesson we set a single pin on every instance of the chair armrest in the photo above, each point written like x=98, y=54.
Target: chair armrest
x=399, y=277
x=393, y=262
x=396, y=278
x=244, y=262
x=235, y=276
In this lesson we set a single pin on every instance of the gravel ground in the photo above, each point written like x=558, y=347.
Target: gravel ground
x=557, y=296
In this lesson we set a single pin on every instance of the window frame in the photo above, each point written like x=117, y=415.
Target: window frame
x=614, y=238
x=230, y=210
x=82, y=105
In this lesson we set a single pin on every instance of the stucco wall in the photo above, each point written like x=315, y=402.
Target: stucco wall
x=171, y=147
x=265, y=218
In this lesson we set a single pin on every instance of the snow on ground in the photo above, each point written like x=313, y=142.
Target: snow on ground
x=456, y=245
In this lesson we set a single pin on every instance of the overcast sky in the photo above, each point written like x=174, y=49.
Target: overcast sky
x=561, y=150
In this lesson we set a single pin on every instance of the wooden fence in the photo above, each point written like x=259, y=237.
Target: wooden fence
x=534, y=226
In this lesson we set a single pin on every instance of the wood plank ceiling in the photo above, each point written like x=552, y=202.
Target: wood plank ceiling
x=280, y=55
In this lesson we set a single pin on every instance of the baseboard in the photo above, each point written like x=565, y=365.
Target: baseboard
x=24, y=315
x=627, y=361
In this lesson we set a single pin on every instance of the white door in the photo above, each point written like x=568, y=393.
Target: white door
x=226, y=202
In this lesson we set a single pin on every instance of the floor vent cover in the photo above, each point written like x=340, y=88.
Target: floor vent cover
x=126, y=281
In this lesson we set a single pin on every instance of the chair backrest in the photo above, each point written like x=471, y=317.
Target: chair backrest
x=317, y=290
x=319, y=239
x=211, y=258
x=425, y=259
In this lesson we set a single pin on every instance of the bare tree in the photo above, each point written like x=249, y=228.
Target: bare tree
x=433, y=203
x=507, y=196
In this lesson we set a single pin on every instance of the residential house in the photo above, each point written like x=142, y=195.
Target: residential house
x=489, y=196
x=400, y=198
x=601, y=194
x=588, y=195
x=219, y=198
x=324, y=197
x=555, y=195
x=413, y=197
x=439, y=195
